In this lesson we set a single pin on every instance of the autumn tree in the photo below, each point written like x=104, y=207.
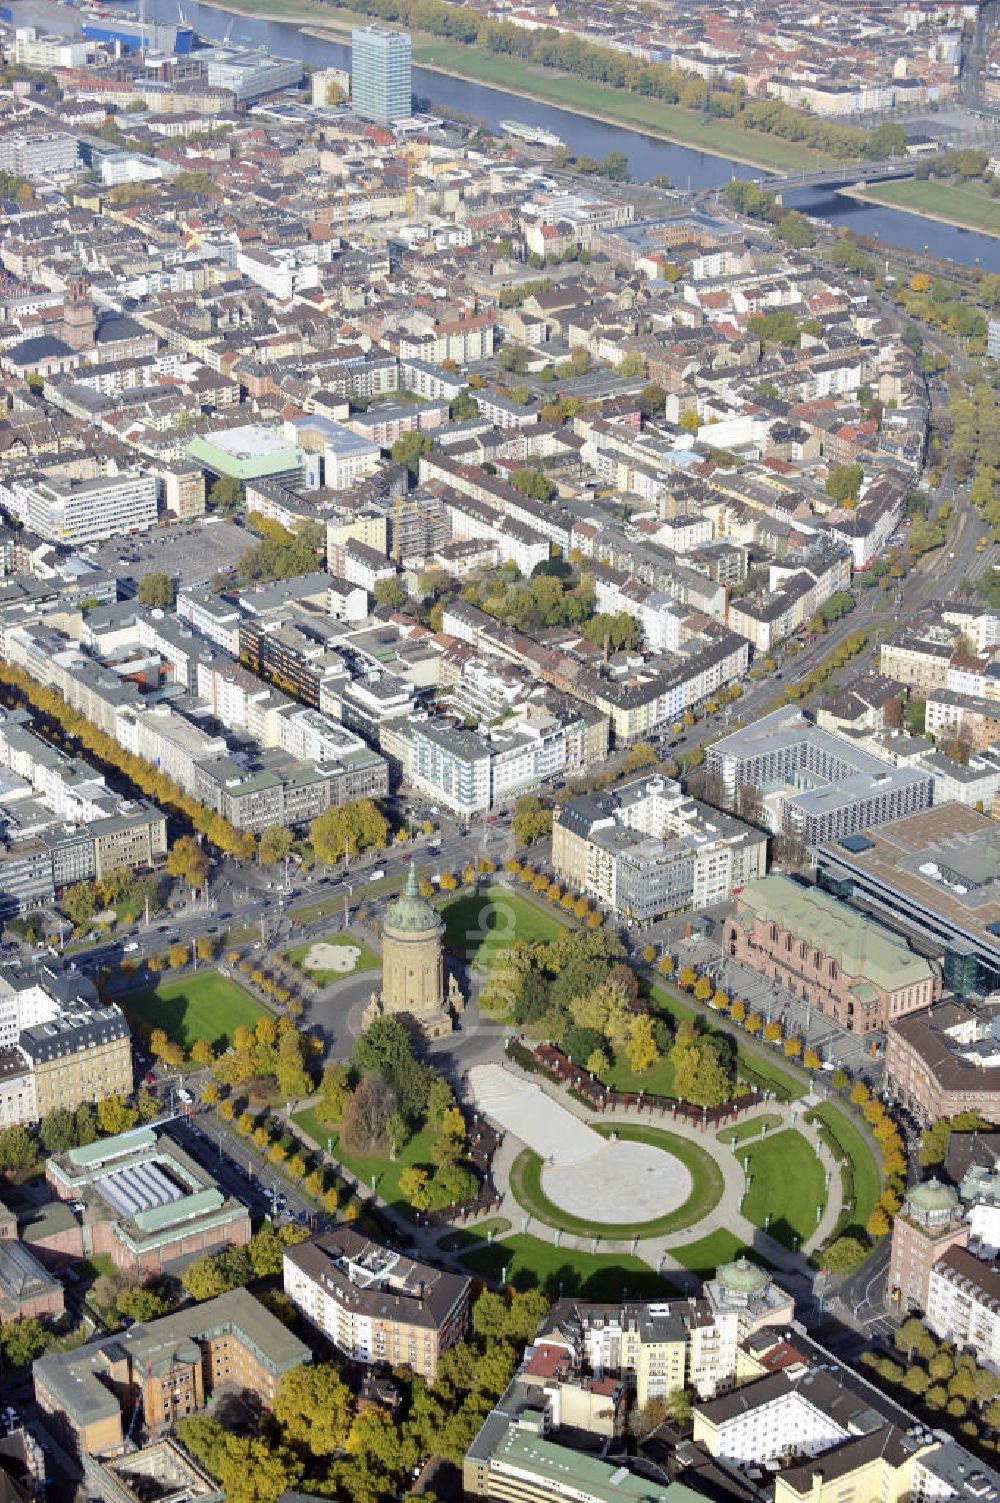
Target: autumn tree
x=188, y=861
x=346, y=829
x=275, y=844
x=156, y=589
x=314, y=1407
x=641, y=1049
x=114, y=1115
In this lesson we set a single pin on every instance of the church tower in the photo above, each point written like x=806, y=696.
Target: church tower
x=79, y=322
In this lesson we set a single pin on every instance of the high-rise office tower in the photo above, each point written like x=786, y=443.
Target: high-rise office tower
x=380, y=74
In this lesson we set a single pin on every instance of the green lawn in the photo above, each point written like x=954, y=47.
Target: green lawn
x=751, y=1128
x=706, y=1192
x=704, y=1256
x=765, y=1074
x=657, y=1081
x=674, y=1004
x=473, y=1236
x=864, y=1169
x=527, y=1264
x=476, y=925
x=310, y=1123
x=366, y=960
x=98, y=1265
x=202, y=1006
x=601, y=100
x=385, y=1171
x=787, y=1185
x=968, y=205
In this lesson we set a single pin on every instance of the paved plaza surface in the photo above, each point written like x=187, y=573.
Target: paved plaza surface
x=622, y=1182
x=585, y=1173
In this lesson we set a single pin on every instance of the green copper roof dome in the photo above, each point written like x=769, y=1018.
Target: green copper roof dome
x=742, y=1277
x=932, y=1195
x=411, y=914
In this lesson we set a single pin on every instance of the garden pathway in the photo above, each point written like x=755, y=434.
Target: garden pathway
x=727, y=1215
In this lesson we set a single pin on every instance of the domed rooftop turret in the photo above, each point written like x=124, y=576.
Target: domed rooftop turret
x=932, y=1201
x=742, y=1279
x=411, y=914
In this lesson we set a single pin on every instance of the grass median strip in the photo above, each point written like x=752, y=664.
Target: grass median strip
x=852, y=1144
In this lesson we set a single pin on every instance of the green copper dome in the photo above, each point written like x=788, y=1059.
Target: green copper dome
x=932, y=1196
x=742, y=1277
x=411, y=914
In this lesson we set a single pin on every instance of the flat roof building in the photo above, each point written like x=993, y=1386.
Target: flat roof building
x=813, y=784
x=246, y=453
x=935, y=877
x=381, y=84
x=646, y=849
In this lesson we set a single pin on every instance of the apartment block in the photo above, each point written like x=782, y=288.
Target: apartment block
x=942, y=1061
x=59, y=1045
x=472, y=772
x=646, y=850
x=74, y=512
x=963, y=1303
x=375, y=1304
x=968, y=717
x=37, y=155
x=813, y=784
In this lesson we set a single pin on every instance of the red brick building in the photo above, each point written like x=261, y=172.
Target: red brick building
x=844, y=965
x=937, y=1064
x=927, y=1226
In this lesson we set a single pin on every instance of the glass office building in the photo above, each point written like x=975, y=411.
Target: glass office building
x=380, y=74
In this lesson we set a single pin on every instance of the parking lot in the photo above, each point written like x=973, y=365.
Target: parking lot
x=189, y=552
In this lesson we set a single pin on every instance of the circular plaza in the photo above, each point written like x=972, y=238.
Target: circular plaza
x=628, y=1178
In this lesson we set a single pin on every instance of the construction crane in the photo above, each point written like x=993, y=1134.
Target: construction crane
x=344, y=212
x=409, y=183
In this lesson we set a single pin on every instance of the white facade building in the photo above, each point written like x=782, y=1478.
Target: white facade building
x=74, y=512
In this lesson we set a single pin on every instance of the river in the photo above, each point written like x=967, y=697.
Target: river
x=685, y=167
